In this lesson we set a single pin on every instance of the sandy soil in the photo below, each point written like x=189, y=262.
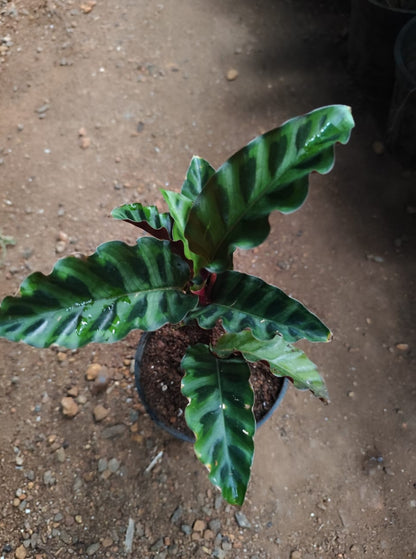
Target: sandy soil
x=104, y=103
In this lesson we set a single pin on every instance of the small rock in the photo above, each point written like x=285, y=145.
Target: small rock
x=69, y=407
x=82, y=399
x=60, y=247
x=88, y=6
x=85, y=142
x=60, y=455
x=232, y=74
x=42, y=110
x=93, y=370
x=215, y=525
x=20, y=552
x=107, y=542
x=242, y=520
x=157, y=545
x=113, y=431
x=177, y=514
x=48, y=478
x=102, y=465
x=93, y=548
x=296, y=555
x=100, y=413
x=128, y=542
x=73, y=391
x=375, y=258
x=186, y=529
x=402, y=347
x=199, y=526
x=113, y=465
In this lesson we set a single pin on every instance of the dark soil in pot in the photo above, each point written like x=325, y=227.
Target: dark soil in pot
x=160, y=377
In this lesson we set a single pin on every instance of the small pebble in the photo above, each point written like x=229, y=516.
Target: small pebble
x=60, y=455
x=402, y=347
x=69, y=407
x=113, y=465
x=177, y=514
x=93, y=370
x=20, y=552
x=85, y=142
x=232, y=74
x=199, y=526
x=242, y=520
x=100, y=413
x=93, y=548
x=296, y=555
x=186, y=529
x=48, y=478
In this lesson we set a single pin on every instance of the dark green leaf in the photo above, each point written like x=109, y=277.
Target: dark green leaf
x=243, y=301
x=270, y=173
x=220, y=414
x=100, y=298
x=197, y=175
x=147, y=218
x=284, y=359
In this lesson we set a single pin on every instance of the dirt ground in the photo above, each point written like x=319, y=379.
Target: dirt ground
x=103, y=103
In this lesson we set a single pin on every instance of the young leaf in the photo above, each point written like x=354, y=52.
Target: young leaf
x=284, y=359
x=270, y=173
x=100, y=298
x=197, y=175
x=220, y=414
x=243, y=301
x=147, y=218
x=179, y=204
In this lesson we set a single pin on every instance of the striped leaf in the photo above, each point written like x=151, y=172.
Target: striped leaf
x=100, y=298
x=284, y=359
x=270, y=173
x=147, y=218
x=243, y=301
x=220, y=414
x=198, y=173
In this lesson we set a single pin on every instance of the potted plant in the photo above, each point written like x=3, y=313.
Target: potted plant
x=184, y=273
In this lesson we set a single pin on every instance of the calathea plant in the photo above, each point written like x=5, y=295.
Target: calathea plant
x=184, y=273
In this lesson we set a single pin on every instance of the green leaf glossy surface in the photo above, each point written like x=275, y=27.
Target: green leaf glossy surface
x=197, y=175
x=147, y=218
x=243, y=301
x=179, y=204
x=100, y=298
x=270, y=173
x=220, y=414
x=284, y=359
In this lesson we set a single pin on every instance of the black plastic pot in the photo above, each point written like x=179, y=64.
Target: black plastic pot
x=401, y=134
x=374, y=27
x=141, y=348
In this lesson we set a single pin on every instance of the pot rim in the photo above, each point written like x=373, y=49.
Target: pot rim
x=179, y=434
